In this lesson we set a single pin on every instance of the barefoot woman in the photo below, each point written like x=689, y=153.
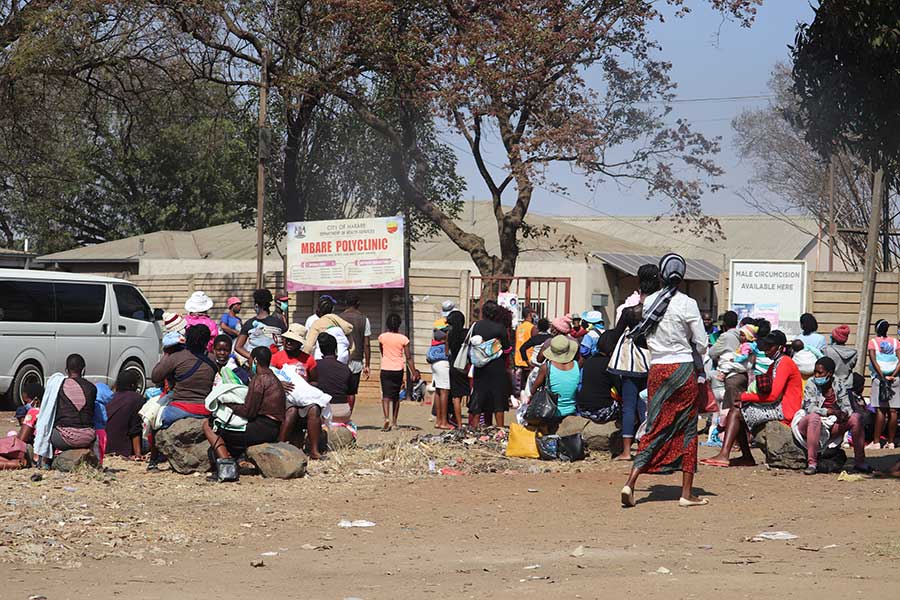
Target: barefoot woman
x=674, y=331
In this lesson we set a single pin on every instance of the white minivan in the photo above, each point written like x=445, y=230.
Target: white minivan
x=45, y=316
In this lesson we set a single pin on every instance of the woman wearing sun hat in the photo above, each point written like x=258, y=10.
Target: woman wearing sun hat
x=197, y=308
x=561, y=373
x=675, y=337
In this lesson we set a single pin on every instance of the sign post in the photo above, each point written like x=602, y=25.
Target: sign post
x=347, y=254
x=773, y=290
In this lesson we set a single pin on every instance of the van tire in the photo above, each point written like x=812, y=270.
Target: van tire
x=27, y=373
x=137, y=367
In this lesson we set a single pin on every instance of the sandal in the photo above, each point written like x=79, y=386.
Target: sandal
x=627, y=497
x=387, y=426
x=709, y=462
x=685, y=503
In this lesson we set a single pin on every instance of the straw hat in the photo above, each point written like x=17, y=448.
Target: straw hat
x=296, y=332
x=199, y=302
x=561, y=349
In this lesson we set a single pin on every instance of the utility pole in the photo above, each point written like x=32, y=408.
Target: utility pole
x=262, y=154
x=867, y=296
x=832, y=228
x=886, y=228
x=407, y=292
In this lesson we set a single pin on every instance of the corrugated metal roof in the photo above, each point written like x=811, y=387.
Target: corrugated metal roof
x=697, y=269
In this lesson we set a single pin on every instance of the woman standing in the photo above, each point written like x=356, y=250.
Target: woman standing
x=630, y=359
x=885, y=399
x=675, y=335
x=491, y=384
x=459, y=380
x=198, y=307
x=395, y=357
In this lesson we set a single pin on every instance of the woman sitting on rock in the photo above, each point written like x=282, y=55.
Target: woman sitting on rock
x=263, y=408
x=778, y=398
x=828, y=414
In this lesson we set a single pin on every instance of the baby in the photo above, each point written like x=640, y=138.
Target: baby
x=732, y=363
x=805, y=358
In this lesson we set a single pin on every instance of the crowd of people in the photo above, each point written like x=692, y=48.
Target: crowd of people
x=260, y=378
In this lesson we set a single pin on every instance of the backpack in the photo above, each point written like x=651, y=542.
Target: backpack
x=485, y=352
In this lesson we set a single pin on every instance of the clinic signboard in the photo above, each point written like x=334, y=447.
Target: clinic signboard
x=346, y=254
x=773, y=290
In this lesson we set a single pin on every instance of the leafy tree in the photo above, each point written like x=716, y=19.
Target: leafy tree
x=790, y=175
x=518, y=69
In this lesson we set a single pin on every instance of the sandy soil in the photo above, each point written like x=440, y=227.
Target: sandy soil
x=509, y=534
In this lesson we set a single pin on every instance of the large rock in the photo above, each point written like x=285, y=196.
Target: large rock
x=781, y=451
x=278, y=461
x=69, y=460
x=185, y=446
x=599, y=437
x=340, y=438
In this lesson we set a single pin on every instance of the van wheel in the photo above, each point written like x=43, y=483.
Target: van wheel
x=27, y=373
x=133, y=365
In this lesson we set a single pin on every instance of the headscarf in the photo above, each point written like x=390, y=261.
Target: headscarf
x=562, y=324
x=672, y=268
x=749, y=332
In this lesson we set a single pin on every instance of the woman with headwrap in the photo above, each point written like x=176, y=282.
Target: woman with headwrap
x=675, y=337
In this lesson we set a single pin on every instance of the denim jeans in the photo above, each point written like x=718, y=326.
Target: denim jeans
x=634, y=409
x=171, y=414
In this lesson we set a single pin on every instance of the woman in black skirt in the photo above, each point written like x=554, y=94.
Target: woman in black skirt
x=459, y=380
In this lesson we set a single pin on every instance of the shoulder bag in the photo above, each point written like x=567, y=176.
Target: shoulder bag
x=628, y=359
x=542, y=407
x=461, y=362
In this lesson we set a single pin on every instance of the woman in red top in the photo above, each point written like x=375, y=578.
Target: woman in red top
x=780, y=404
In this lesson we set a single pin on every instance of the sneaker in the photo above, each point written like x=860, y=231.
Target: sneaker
x=873, y=446
x=810, y=470
x=889, y=446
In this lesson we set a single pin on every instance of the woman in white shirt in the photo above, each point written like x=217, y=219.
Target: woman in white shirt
x=676, y=339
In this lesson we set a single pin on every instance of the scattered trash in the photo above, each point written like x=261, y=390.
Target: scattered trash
x=452, y=472
x=308, y=547
x=368, y=472
x=532, y=567
x=774, y=536
x=269, y=554
x=247, y=525
x=742, y=561
x=577, y=552
x=345, y=524
x=829, y=546
x=257, y=564
x=705, y=547
x=69, y=488
x=37, y=597
x=845, y=476
x=663, y=571
x=37, y=477
x=533, y=490
x=432, y=466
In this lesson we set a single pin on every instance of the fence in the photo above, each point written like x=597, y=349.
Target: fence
x=547, y=296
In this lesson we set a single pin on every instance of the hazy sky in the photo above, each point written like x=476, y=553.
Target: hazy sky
x=711, y=59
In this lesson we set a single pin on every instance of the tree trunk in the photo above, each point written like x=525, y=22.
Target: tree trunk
x=867, y=295
x=295, y=201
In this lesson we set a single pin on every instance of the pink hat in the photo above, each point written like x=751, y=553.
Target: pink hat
x=232, y=301
x=562, y=324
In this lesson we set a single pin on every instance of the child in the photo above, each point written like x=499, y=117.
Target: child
x=123, y=424
x=732, y=363
x=805, y=359
x=395, y=357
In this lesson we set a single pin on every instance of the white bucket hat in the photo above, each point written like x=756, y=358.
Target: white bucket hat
x=199, y=302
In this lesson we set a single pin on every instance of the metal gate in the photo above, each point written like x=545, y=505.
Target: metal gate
x=547, y=296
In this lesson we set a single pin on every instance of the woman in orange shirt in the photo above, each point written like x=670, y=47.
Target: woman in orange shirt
x=395, y=356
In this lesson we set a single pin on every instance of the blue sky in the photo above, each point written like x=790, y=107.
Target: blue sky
x=711, y=59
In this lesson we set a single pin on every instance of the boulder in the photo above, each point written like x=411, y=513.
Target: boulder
x=185, y=446
x=69, y=460
x=278, y=461
x=603, y=437
x=782, y=452
x=572, y=424
x=339, y=438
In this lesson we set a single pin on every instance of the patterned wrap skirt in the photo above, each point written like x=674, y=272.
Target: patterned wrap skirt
x=670, y=443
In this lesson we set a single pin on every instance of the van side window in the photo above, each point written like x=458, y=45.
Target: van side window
x=26, y=301
x=80, y=302
x=131, y=304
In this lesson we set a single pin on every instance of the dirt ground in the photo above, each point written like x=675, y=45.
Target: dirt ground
x=528, y=530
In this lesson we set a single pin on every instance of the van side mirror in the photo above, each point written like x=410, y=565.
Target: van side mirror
x=157, y=314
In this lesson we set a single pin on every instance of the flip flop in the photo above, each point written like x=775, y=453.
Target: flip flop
x=627, y=497
x=685, y=503
x=714, y=463
x=387, y=426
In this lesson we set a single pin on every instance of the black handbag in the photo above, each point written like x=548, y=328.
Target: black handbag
x=542, y=407
x=571, y=448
